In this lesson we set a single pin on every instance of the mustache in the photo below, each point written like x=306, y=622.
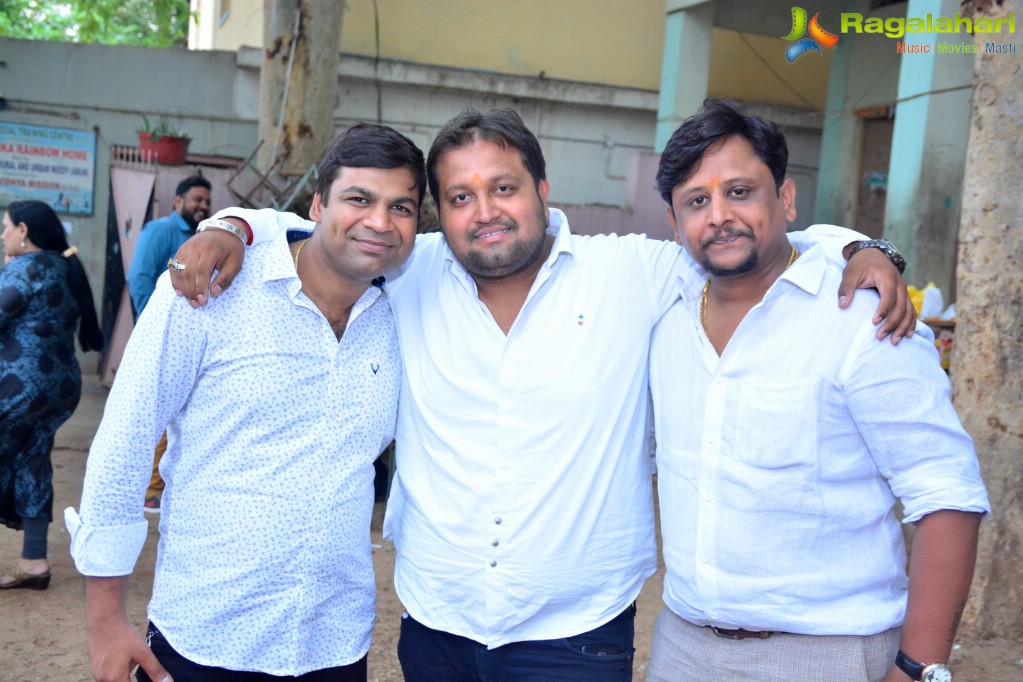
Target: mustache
x=729, y=231
x=506, y=223
x=371, y=236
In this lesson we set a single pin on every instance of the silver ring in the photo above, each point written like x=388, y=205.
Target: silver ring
x=175, y=263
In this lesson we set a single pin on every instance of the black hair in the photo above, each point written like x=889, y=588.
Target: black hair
x=368, y=145
x=46, y=231
x=715, y=121
x=501, y=126
x=190, y=182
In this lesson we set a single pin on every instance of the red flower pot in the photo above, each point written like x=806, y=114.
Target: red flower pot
x=168, y=149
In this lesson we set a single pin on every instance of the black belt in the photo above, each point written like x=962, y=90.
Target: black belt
x=739, y=633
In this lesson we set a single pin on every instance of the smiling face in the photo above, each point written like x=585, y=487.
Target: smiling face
x=367, y=224
x=729, y=215
x=193, y=205
x=492, y=211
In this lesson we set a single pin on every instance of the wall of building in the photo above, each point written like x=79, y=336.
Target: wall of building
x=610, y=43
x=578, y=40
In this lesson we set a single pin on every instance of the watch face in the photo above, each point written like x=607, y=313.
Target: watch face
x=937, y=673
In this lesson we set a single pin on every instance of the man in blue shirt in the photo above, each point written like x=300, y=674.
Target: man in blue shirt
x=160, y=238
x=158, y=241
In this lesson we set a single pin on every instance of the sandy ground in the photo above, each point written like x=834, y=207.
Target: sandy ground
x=42, y=634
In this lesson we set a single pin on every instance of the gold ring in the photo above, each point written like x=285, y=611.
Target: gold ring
x=175, y=264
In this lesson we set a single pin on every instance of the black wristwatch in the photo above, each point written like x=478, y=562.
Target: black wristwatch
x=933, y=672
x=887, y=248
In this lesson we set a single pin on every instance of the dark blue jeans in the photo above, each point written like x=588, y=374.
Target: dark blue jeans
x=603, y=654
x=184, y=670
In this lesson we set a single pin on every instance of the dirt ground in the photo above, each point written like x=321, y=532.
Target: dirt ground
x=42, y=634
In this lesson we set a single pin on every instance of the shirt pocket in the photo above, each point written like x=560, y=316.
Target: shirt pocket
x=776, y=427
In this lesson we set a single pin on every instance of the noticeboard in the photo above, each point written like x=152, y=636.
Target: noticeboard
x=55, y=165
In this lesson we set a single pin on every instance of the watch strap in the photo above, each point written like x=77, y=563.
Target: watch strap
x=914, y=669
x=215, y=224
x=886, y=247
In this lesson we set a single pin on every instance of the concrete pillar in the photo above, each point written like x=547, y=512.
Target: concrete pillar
x=836, y=180
x=932, y=124
x=685, y=67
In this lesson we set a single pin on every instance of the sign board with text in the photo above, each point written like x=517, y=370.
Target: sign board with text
x=55, y=165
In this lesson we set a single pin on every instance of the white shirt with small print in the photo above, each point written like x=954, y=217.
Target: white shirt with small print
x=522, y=505
x=779, y=462
x=264, y=559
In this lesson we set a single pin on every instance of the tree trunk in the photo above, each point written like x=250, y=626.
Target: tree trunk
x=302, y=81
x=987, y=358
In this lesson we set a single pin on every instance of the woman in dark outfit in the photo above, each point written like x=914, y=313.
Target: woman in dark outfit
x=44, y=297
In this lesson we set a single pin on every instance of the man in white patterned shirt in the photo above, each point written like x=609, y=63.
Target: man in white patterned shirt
x=785, y=435
x=264, y=566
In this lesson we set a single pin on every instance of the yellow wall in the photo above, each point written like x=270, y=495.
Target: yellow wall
x=753, y=68
x=609, y=42
x=602, y=41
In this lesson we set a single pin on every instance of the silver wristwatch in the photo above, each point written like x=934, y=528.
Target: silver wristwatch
x=213, y=223
x=887, y=248
x=932, y=672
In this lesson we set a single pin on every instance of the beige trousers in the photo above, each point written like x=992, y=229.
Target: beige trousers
x=682, y=651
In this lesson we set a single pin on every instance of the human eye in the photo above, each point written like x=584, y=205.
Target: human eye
x=459, y=199
x=697, y=201
x=504, y=189
x=356, y=199
x=739, y=193
x=402, y=208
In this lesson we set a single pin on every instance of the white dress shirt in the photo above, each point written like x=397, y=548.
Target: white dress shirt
x=264, y=559
x=779, y=462
x=522, y=504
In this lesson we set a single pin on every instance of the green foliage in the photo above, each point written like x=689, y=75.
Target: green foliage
x=160, y=129
x=150, y=23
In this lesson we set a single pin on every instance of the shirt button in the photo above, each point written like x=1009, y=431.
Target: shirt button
x=704, y=558
x=497, y=520
x=493, y=564
x=495, y=543
x=714, y=616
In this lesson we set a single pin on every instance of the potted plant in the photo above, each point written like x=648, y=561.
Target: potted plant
x=167, y=145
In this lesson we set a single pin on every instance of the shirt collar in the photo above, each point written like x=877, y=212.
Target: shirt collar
x=807, y=273
x=280, y=263
x=181, y=224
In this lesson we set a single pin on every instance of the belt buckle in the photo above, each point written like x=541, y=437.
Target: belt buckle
x=725, y=633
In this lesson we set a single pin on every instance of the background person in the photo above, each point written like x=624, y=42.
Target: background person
x=522, y=507
x=157, y=242
x=44, y=298
x=785, y=436
x=264, y=568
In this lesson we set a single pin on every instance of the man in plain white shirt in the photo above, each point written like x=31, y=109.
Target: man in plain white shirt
x=264, y=568
x=521, y=510
x=785, y=435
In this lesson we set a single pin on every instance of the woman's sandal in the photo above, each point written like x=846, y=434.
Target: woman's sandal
x=19, y=578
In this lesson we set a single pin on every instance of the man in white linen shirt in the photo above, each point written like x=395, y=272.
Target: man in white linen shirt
x=264, y=568
x=785, y=434
x=521, y=510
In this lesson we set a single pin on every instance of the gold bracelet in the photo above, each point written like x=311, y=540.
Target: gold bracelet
x=223, y=225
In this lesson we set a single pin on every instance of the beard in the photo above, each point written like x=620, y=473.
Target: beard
x=748, y=264
x=518, y=256
x=193, y=218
